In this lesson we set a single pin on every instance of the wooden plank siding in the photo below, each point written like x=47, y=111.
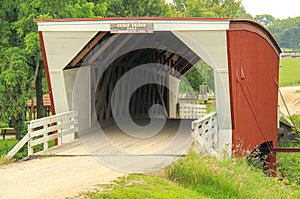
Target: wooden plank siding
x=253, y=74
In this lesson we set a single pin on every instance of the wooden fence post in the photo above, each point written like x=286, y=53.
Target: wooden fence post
x=30, y=149
x=45, y=135
x=59, y=139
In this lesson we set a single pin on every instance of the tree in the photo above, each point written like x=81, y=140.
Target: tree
x=136, y=8
x=210, y=8
x=266, y=19
x=286, y=32
x=14, y=84
x=201, y=74
x=27, y=30
x=20, y=56
x=13, y=69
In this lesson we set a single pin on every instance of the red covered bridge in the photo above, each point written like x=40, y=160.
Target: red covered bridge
x=110, y=70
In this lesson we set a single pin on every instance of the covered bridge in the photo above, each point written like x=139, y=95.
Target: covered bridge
x=112, y=68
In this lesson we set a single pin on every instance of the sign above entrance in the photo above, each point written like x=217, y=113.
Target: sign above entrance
x=131, y=28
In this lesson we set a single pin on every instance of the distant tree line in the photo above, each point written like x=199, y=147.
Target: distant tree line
x=285, y=31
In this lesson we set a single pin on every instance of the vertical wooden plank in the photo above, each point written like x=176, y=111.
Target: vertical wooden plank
x=110, y=90
x=124, y=91
x=139, y=95
x=59, y=139
x=45, y=144
x=30, y=149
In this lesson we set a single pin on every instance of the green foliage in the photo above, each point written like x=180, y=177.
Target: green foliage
x=265, y=19
x=210, y=8
x=135, y=8
x=8, y=14
x=286, y=32
x=201, y=74
x=289, y=73
x=39, y=9
x=296, y=120
x=14, y=84
x=20, y=51
x=32, y=43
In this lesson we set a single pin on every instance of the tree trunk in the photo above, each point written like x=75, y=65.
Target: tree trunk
x=32, y=91
x=17, y=125
x=39, y=93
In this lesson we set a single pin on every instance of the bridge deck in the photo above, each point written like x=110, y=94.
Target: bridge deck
x=122, y=151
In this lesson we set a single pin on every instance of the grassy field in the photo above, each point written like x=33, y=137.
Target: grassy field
x=289, y=73
x=194, y=177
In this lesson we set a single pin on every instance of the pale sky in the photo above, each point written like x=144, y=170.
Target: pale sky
x=277, y=8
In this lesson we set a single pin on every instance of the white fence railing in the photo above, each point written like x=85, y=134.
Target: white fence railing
x=43, y=130
x=205, y=132
x=193, y=111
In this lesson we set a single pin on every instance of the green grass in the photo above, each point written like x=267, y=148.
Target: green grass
x=142, y=186
x=289, y=74
x=194, y=177
x=290, y=164
x=227, y=179
x=6, y=145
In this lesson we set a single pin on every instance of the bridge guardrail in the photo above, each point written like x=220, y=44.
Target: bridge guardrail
x=191, y=110
x=205, y=132
x=43, y=130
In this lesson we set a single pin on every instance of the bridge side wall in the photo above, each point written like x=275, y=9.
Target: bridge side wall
x=253, y=74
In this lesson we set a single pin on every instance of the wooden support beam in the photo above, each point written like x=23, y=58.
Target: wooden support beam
x=161, y=97
x=287, y=150
x=101, y=94
x=110, y=91
x=174, y=68
x=169, y=58
x=87, y=48
x=187, y=67
x=102, y=49
x=117, y=48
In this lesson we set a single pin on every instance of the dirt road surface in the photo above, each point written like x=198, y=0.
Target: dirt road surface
x=79, y=166
x=53, y=177
x=292, y=98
